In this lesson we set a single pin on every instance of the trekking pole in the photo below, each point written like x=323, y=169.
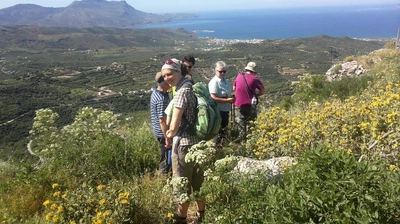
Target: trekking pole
x=233, y=113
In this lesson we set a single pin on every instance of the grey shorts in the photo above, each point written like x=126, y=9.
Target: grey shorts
x=191, y=171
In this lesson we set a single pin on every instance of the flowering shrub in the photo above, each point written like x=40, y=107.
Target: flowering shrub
x=44, y=131
x=91, y=147
x=116, y=202
x=201, y=153
x=89, y=125
x=364, y=125
x=103, y=204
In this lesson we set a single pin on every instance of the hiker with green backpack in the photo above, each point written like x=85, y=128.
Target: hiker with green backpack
x=221, y=92
x=184, y=114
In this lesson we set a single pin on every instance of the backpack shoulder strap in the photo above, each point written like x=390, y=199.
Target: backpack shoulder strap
x=186, y=123
x=248, y=88
x=188, y=84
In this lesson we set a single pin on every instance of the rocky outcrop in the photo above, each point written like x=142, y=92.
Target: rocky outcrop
x=347, y=69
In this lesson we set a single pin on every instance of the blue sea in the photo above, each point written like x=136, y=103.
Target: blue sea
x=369, y=21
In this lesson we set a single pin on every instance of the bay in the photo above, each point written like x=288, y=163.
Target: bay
x=372, y=21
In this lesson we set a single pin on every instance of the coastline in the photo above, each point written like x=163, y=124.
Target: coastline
x=364, y=22
x=220, y=41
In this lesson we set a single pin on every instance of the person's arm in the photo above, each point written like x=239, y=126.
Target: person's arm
x=164, y=126
x=221, y=100
x=168, y=141
x=234, y=85
x=261, y=92
x=168, y=121
x=260, y=87
x=176, y=120
x=169, y=111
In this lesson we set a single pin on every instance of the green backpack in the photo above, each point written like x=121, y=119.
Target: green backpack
x=208, y=118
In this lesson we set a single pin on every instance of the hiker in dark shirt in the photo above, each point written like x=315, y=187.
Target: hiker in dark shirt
x=187, y=65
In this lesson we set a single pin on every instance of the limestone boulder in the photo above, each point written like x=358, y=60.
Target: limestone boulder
x=243, y=166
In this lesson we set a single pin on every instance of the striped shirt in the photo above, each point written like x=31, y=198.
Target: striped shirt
x=158, y=103
x=185, y=98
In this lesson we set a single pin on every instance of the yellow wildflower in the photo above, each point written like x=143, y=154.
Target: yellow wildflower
x=55, y=185
x=49, y=216
x=123, y=195
x=56, y=218
x=97, y=221
x=102, y=201
x=98, y=215
x=363, y=125
x=101, y=187
x=53, y=206
x=56, y=194
x=124, y=202
x=393, y=168
x=60, y=209
x=106, y=214
x=47, y=202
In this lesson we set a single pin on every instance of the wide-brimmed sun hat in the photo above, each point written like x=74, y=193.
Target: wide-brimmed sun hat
x=251, y=66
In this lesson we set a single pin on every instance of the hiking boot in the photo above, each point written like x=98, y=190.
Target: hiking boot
x=176, y=219
x=199, y=217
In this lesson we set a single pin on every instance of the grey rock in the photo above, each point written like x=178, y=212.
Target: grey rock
x=242, y=166
x=347, y=69
x=275, y=166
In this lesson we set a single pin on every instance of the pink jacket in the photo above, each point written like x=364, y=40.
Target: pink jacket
x=242, y=98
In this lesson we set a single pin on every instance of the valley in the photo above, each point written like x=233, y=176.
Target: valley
x=109, y=68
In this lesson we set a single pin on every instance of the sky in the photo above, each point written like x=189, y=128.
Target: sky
x=174, y=6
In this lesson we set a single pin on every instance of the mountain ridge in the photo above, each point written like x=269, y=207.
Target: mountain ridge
x=84, y=14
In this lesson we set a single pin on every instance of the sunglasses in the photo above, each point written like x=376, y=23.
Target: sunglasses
x=223, y=71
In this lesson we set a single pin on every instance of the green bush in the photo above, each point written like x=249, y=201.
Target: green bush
x=114, y=202
x=316, y=88
x=91, y=149
x=326, y=186
x=94, y=150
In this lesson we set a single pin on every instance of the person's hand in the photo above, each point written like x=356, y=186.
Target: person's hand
x=168, y=134
x=168, y=143
x=231, y=100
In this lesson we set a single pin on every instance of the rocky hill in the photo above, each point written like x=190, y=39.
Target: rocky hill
x=82, y=14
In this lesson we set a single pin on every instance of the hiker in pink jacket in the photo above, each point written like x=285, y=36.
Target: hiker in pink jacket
x=247, y=88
